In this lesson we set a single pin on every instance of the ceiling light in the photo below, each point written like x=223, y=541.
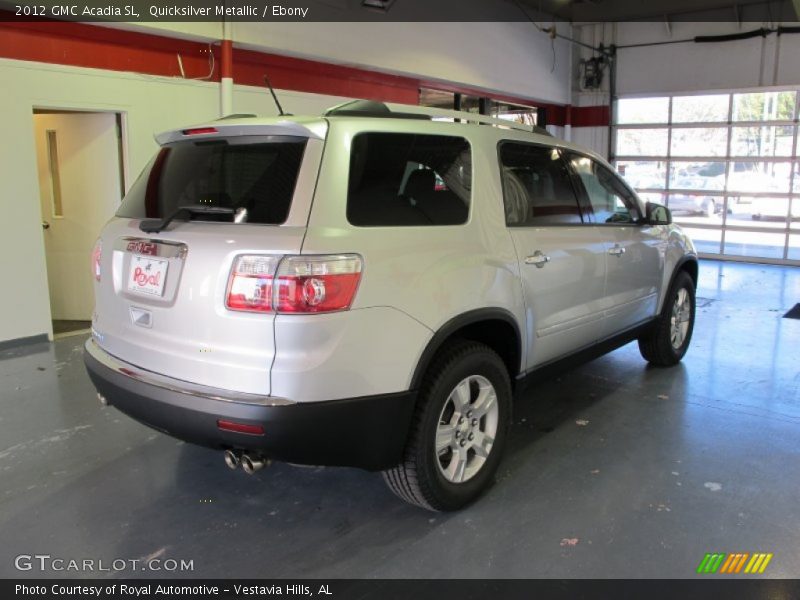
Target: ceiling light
x=381, y=5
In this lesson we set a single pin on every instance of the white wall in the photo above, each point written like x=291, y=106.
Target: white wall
x=769, y=61
x=510, y=58
x=684, y=67
x=150, y=105
x=689, y=67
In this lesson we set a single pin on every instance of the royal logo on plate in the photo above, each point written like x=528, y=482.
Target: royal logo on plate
x=147, y=275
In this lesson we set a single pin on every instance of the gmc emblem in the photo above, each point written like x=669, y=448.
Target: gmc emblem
x=141, y=247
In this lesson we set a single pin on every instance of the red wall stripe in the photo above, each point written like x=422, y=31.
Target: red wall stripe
x=590, y=116
x=249, y=68
x=82, y=45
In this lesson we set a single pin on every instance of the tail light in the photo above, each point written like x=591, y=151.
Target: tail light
x=199, y=130
x=293, y=284
x=250, y=283
x=96, y=254
x=240, y=427
x=315, y=284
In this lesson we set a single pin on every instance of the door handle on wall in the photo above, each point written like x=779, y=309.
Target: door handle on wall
x=538, y=258
x=45, y=225
x=617, y=251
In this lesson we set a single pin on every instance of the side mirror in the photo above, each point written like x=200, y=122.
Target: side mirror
x=658, y=214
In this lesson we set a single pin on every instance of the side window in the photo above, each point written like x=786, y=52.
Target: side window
x=406, y=179
x=611, y=200
x=537, y=189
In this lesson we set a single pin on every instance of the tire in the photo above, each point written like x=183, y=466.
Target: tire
x=658, y=346
x=455, y=385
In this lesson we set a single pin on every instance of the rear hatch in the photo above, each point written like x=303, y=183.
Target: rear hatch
x=162, y=293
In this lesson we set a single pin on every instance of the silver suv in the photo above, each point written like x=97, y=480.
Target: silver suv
x=370, y=287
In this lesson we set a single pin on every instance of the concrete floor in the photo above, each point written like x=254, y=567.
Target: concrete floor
x=613, y=470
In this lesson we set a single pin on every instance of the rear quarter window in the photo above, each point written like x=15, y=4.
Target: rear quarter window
x=402, y=179
x=253, y=176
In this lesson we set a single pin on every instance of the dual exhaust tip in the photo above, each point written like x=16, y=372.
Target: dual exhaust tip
x=250, y=464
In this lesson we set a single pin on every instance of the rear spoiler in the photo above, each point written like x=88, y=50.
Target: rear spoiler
x=222, y=130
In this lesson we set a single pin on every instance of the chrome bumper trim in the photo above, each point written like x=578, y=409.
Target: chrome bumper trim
x=177, y=385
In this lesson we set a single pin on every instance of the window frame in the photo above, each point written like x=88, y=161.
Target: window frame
x=586, y=199
x=583, y=214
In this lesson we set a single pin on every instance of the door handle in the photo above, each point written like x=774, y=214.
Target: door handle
x=538, y=258
x=616, y=251
x=45, y=225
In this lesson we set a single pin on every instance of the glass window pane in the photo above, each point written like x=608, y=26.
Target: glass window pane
x=763, y=177
x=254, y=178
x=762, y=141
x=696, y=208
x=524, y=115
x=796, y=179
x=748, y=211
x=642, y=142
x=644, y=175
x=405, y=179
x=697, y=141
x=643, y=110
x=794, y=247
x=436, y=98
x=537, y=187
x=794, y=223
x=699, y=109
x=706, y=175
x=706, y=241
x=754, y=244
x=611, y=201
x=764, y=106
x=657, y=197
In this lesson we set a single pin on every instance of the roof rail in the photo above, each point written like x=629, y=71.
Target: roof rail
x=368, y=108
x=468, y=117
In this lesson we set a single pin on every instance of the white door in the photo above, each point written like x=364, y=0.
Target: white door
x=634, y=249
x=562, y=257
x=79, y=190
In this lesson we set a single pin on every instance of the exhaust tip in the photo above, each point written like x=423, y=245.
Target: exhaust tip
x=102, y=399
x=251, y=465
x=232, y=459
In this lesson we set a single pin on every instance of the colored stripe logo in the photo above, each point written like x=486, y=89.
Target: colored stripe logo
x=737, y=562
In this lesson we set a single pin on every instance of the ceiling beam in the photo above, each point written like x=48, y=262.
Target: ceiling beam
x=676, y=10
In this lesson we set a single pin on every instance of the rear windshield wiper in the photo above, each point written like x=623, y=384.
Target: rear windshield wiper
x=157, y=225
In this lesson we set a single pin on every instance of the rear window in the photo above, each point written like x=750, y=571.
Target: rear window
x=254, y=177
x=402, y=179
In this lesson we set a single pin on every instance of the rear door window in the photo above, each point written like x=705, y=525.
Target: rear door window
x=253, y=176
x=402, y=179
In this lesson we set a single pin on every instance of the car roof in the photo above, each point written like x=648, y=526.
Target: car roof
x=360, y=112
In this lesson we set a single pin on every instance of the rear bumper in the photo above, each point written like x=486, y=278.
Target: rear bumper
x=367, y=432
